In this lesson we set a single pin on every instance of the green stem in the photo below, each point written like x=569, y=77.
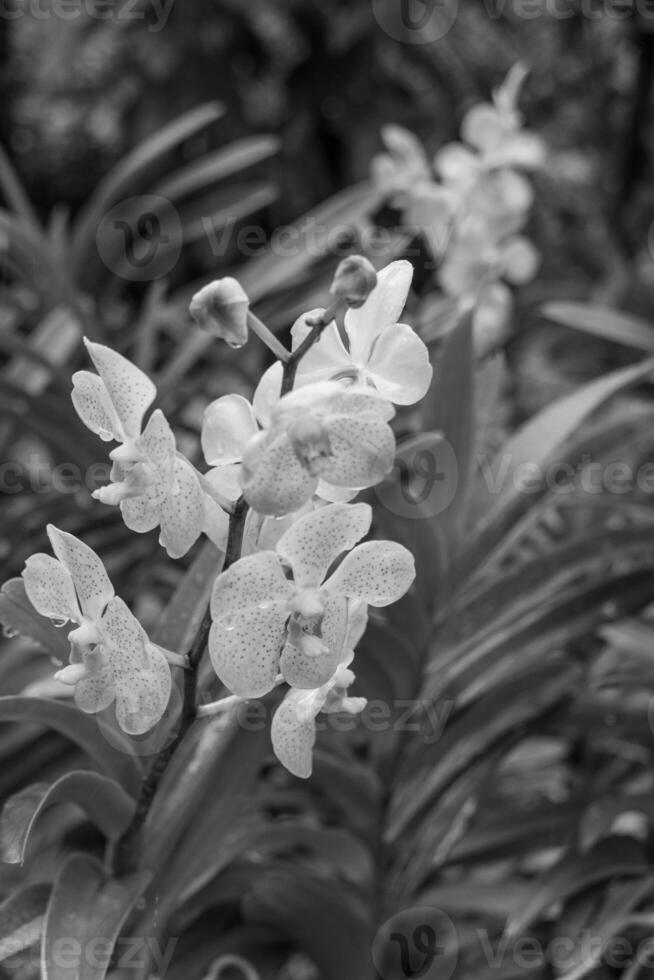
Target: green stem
x=317, y=325
x=126, y=852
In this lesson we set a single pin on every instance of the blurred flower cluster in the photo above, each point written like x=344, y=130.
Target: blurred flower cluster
x=471, y=205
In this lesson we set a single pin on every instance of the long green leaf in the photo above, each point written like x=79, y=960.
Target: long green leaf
x=105, y=803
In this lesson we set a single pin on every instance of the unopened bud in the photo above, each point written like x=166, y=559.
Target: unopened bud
x=221, y=307
x=310, y=441
x=354, y=280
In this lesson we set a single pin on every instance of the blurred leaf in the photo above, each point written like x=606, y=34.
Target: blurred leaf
x=15, y=194
x=322, y=919
x=449, y=407
x=18, y=616
x=115, y=758
x=573, y=874
x=104, y=802
x=21, y=919
x=89, y=909
x=603, y=322
x=125, y=177
x=229, y=161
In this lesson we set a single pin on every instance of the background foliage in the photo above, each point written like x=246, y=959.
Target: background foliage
x=530, y=631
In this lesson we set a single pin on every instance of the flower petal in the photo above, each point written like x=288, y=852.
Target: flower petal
x=89, y=575
x=363, y=451
x=456, y=164
x=335, y=495
x=293, y=732
x=379, y=572
x=181, y=514
x=519, y=259
x=483, y=128
x=96, y=692
x=228, y=425
x=245, y=650
x=141, y=674
x=140, y=513
x=399, y=366
x=130, y=390
x=251, y=581
x=268, y=392
x=249, y=608
x=273, y=479
x=383, y=307
x=158, y=441
x=142, y=699
x=93, y=405
x=50, y=588
x=304, y=671
x=313, y=542
x=226, y=480
x=215, y=523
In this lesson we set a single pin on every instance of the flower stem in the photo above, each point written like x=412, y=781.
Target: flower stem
x=126, y=852
x=264, y=333
x=317, y=325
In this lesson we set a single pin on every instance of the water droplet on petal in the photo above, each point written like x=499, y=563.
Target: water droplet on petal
x=234, y=346
x=58, y=622
x=105, y=435
x=265, y=605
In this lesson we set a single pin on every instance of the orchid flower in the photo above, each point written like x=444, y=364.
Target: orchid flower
x=476, y=270
x=265, y=622
x=493, y=137
x=154, y=485
x=321, y=437
x=111, y=659
x=380, y=352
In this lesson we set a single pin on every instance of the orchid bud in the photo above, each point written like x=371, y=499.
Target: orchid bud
x=221, y=307
x=354, y=280
x=310, y=441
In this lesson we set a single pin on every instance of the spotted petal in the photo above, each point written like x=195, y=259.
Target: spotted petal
x=142, y=699
x=304, y=671
x=140, y=673
x=228, y=426
x=382, y=308
x=249, y=608
x=50, y=588
x=130, y=390
x=273, y=479
x=93, y=405
x=97, y=691
x=94, y=590
x=293, y=731
x=158, y=441
x=140, y=513
x=379, y=572
x=363, y=451
x=181, y=514
x=314, y=541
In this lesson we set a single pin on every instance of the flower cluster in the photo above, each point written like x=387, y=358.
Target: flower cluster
x=111, y=659
x=291, y=604
x=472, y=205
